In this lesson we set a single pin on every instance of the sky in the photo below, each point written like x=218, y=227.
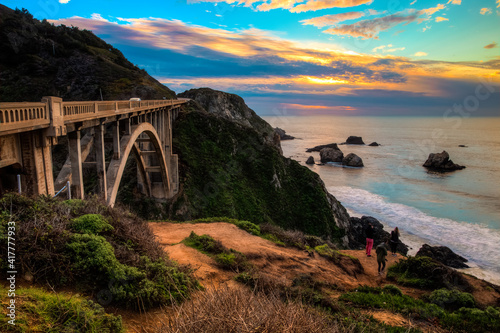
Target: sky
x=302, y=57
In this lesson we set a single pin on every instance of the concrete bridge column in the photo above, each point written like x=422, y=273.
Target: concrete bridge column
x=37, y=163
x=100, y=159
x=75, y=155
x=116, y=140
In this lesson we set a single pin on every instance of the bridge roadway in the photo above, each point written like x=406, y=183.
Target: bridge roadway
x=29, y=131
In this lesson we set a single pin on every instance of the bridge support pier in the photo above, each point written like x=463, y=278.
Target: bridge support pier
x=100, y=159
x=37, y=163
x=75, y=155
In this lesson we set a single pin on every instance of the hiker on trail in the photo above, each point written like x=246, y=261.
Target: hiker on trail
x=381, y=257
x=394, y=241
x=369, y=239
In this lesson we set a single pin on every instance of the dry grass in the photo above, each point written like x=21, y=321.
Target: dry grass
x=241, y=310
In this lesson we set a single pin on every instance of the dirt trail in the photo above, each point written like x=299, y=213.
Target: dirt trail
x=283, y=263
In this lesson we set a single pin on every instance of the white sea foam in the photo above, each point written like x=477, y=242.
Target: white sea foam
x=478, y=243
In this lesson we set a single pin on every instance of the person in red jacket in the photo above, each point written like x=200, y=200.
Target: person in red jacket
x=369, y=239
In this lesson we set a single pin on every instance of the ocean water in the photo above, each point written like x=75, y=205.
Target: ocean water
x=460, y=209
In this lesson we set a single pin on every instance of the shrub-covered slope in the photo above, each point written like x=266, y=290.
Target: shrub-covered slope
x=107, y=253
x=228, y=169
x=40, y=59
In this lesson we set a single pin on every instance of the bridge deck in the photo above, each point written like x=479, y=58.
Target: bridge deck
x=28, y=116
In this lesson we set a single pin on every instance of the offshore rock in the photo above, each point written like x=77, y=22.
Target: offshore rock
x=331, y=155
x=310, y=160
x=354, y=140
x=444, y=255
x=441, y=162
x=352, y=160
x=318, y=148
x=358, y=236
x=374, y=144
x=283, y=135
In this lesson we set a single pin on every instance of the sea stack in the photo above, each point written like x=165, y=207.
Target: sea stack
x=352, y=160
x=310, y=160
x=331, y=155
x=354, y=140
x=441, y=162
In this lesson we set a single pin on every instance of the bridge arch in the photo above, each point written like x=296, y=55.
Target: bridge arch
x=127, y=145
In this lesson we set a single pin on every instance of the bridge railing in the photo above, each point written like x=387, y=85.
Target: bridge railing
x=23, y=115
x=19, y=117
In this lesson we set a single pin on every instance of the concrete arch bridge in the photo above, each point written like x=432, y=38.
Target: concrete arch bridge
x=29, y=131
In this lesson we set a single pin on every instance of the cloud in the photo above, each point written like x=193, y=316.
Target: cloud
x=485, y=11
x=498, y=3
x=387, y=48
x=328, y=20
x=491, y=46
x=294, y=6
x=371, y=28
x=64, y=1
x=98, y=17
x=420, y=54
x=455, y=2
x=441, y=19
x=433, y=10
x=255, y=62
x=326, y=4
x=413, y=2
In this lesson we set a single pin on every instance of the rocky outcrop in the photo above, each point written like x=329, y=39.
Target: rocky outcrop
x=444, y=255
x=283, y=135
x=352, y=160
x=232, y=107
x=318, y=148
x=310, y=160
x=441, y=162
x=354, y=140
x=331, y=155
x=374, y=144
x=358, y=237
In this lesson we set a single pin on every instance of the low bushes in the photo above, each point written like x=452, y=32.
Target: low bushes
x=453, y=309
x=108, y=253
x=426, y=273
x=40, y=311
x=226, y=258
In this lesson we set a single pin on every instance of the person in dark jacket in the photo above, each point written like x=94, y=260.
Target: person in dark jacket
x=369, y=239
x=381, y=250
x=394, y=241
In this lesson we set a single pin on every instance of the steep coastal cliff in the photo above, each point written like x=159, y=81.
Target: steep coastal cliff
x=231, y=165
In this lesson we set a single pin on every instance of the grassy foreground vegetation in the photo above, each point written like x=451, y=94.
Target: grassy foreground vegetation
x=38, y=310
x=105, y=253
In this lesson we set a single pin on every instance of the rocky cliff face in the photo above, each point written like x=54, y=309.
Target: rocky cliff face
x=232, y=107
x=40, y=59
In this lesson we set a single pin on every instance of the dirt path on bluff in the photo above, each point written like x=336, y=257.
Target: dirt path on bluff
x=279, y=263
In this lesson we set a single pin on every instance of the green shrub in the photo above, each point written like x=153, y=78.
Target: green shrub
x=204, y=243
x=474, y=320
x=90, y=224
x=273, y=239
x=424, y=272
x=452, y=299
x=392, y=289
x=249, y=227
x=40, y=311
